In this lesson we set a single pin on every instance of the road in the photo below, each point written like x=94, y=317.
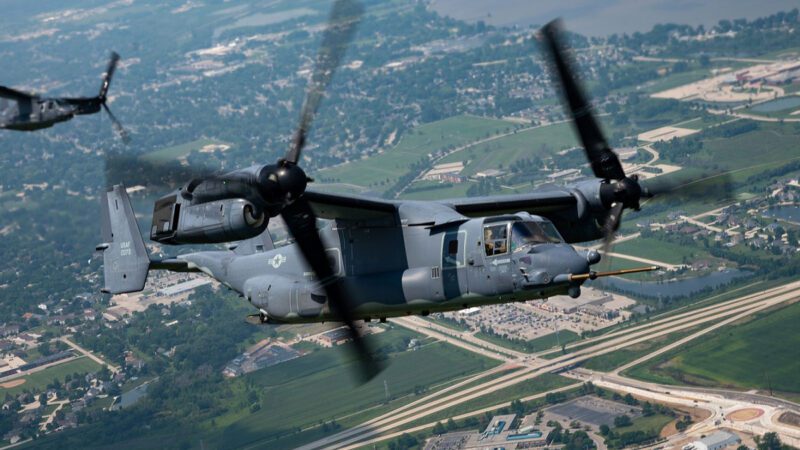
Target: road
x=652, y=262
x=90, y=355
x=463, y=339
x=719, y=403
x=377, y=429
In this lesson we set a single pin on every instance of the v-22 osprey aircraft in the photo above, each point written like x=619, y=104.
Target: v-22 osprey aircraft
x=30, y=112
x=375, y=258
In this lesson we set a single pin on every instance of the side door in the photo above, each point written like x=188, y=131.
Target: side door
x=479, y=278
x=453, y=263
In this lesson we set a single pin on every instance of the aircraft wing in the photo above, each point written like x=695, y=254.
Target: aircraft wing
x=349, y=206
x=538, y=203
x=13, y=94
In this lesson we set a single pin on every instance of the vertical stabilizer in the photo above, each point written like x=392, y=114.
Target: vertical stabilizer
x=125, y=259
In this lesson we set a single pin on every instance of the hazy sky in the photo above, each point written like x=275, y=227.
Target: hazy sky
x=602, y=17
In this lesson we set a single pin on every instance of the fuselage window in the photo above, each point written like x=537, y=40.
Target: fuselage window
x=495, y=239
x=452, y=248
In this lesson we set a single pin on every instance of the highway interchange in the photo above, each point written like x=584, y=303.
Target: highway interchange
x=518, y=367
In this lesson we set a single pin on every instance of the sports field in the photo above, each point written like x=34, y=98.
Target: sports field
x=39, y=380
x=757, y=354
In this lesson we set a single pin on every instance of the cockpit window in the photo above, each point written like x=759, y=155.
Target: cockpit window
x=524, y=234
x=495, y=239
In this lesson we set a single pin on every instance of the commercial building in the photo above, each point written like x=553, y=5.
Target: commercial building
x=716, y=441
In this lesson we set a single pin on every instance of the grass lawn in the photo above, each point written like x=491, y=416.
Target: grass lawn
x=659, y=250
x=652, y=423
x=416, y=144
x=320, y=387
x=435, y=191
x=501, y=153
x=178, y=151
x=612, y=360
x=553, y=340
x=42, y=378
x=756, y=354
x=775, y=144
x=674, y=80
x=535, y=345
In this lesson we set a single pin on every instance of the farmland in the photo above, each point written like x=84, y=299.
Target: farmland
x=727, y=357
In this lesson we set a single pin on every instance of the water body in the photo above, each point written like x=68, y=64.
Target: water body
x=264, y=19
x=778, y=105
x=668, y=289
x=130, y=398
x=790, y=213
x=604, y=17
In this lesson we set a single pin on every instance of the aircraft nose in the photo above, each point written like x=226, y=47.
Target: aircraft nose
x=554, y=260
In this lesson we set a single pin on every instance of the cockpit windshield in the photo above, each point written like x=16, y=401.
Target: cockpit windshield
x=525, y=234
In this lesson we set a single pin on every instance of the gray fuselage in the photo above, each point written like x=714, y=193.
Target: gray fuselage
x=407, y=269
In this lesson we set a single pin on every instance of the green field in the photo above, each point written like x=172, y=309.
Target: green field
x=754, y=355
x=39, y=380
x=772, y=144
x=319, y=387
x=534, y=345
x=178, y=151
x=652, y=423
x=502, y=152
x=659, y=250
x=554, y=339
x=435, y=191
x=617, y=358
x=391, y=164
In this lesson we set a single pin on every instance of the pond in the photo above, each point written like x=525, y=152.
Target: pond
x=778, y=105
x=130, y=398
x=672, y=288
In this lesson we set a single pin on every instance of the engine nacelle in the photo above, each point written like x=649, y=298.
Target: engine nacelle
x=283, y=297
x=177, y=221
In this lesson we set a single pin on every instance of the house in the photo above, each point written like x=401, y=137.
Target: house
x=133, y=362
x=89, y=314
x=9, y=330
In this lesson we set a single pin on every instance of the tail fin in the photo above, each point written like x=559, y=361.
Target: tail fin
x=125, y=259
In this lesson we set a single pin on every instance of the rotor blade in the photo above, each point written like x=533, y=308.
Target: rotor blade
x=342, y=23
x=301, y=221
x=117, y=125
x=611, y=225
x=605, y=163
x=716, y=186
x=110, y=69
